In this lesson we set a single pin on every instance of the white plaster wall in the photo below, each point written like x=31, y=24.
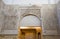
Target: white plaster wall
x=49, y=19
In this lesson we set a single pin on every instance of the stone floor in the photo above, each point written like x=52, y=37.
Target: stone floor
x=15, y=37
x=51, y=37
x=8, y=37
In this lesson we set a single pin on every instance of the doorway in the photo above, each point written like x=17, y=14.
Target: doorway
x=28, y=33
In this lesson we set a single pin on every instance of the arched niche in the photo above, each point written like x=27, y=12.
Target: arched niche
x=30, y=20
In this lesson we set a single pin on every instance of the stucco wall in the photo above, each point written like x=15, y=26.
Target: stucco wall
x=49, y=19
x=10, y=19
x=11, y=15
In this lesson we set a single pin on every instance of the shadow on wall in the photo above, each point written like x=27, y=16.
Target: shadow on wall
x=58, y=16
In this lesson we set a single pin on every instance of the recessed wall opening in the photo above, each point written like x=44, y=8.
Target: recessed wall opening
x=30, y=20
x=30, y=27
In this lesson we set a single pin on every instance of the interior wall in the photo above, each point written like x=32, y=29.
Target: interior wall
x=49, y=19
x=58, y=15
x=12, y=15
x=48, y=16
